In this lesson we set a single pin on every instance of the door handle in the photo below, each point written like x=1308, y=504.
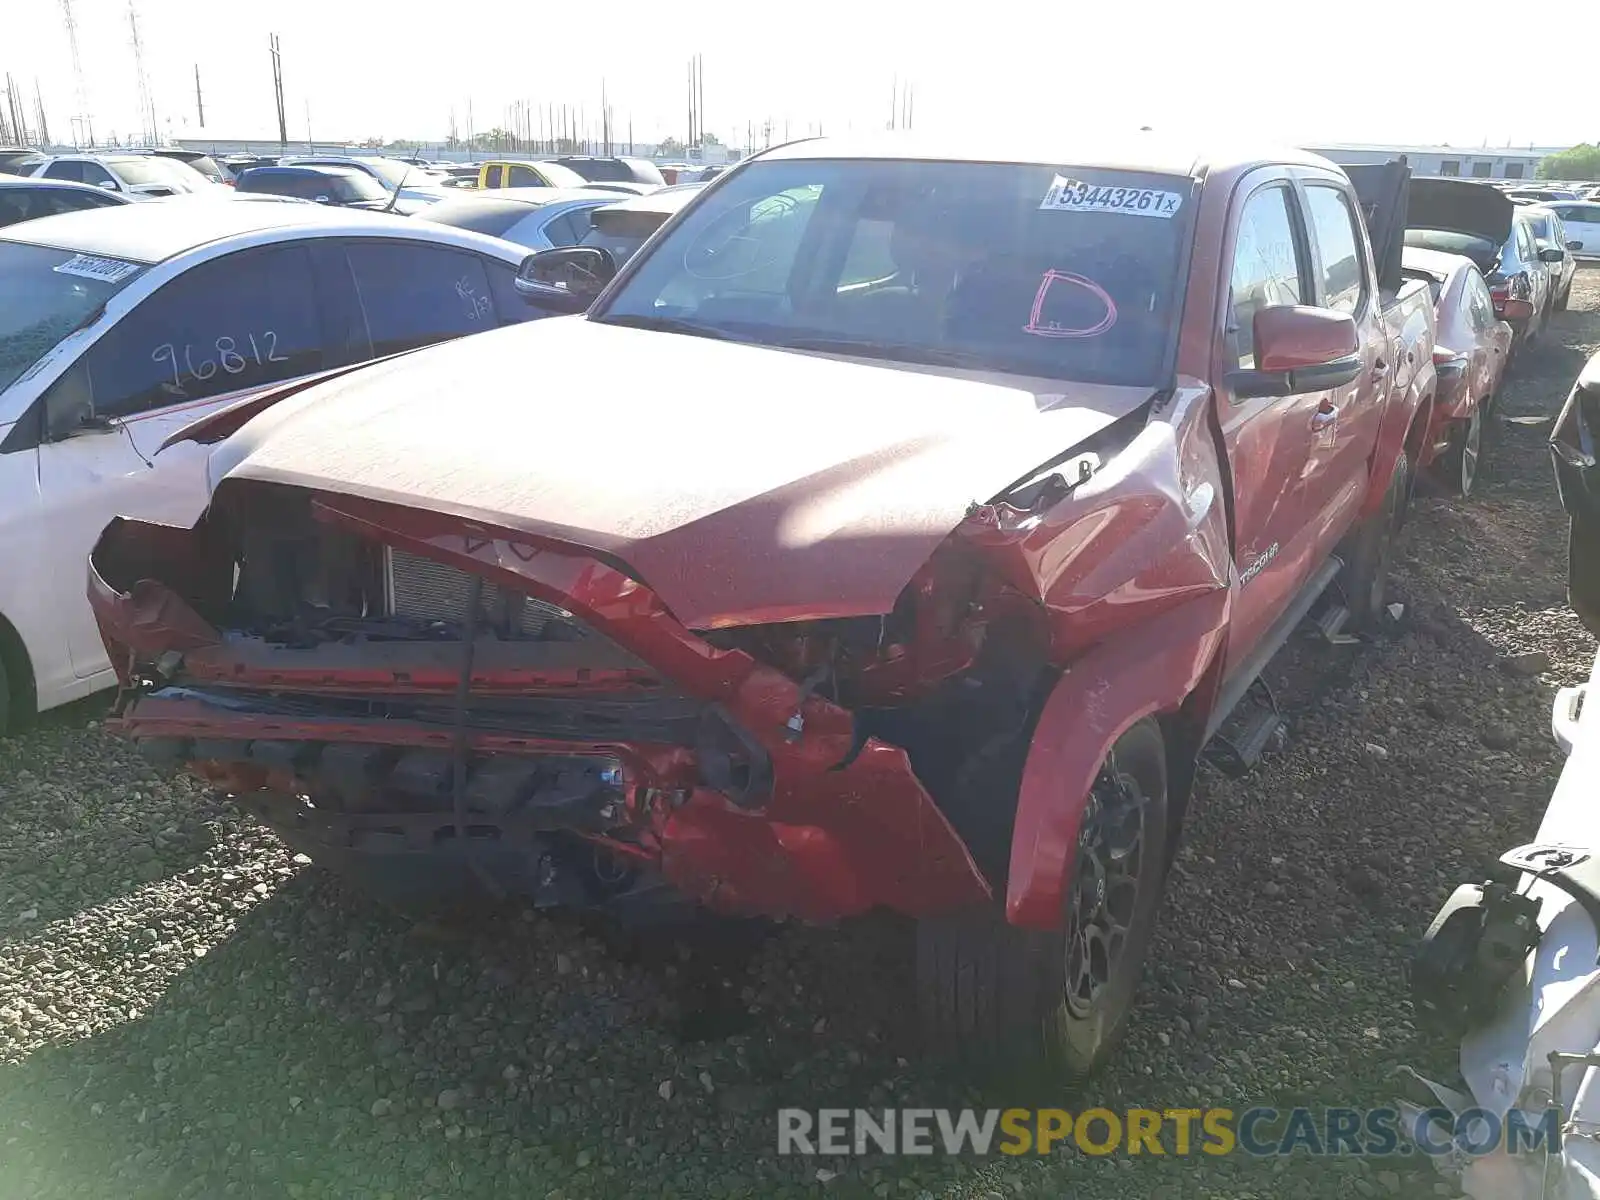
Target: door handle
x=1379, y=368
x=1324, y=416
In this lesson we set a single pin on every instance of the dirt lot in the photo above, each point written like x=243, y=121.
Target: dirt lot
x=186, y=1011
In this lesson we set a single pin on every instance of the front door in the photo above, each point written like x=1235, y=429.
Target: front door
x=1270, y=439
x=227, y=326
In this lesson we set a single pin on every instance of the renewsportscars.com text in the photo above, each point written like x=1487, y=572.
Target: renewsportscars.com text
x=1260, y=1131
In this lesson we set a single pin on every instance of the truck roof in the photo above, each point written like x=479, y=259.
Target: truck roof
x=1134, y=150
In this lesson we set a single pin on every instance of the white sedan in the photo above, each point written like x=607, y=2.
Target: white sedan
x=119, y=327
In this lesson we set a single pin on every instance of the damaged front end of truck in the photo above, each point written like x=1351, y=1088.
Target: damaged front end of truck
x=430, y=701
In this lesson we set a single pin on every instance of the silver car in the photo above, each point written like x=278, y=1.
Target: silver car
x=538, y=218
x=1550, y=234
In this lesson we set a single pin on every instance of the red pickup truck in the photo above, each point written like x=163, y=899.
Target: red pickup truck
x=959, y=503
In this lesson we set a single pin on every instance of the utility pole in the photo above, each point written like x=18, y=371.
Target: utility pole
x=700, y=98
x=44, y=126
x=80, y=88
x=147, y=106
x=199, y=101
x=311, y=145
x=19, y=116
x=690, y=140
x=277, y=91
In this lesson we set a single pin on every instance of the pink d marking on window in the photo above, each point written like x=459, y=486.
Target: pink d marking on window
x=1039, y=327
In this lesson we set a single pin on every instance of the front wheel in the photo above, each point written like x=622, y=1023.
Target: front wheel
x=998, y=995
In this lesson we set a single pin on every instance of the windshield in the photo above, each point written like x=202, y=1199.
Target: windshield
x=1058, y=272
x=147, y=170
x=392, y=173
x=47, y=293
x=1480, y=250
x=356, y=186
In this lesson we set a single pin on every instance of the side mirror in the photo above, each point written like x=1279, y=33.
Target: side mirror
x=108, y=184
x=324, y=199
x=566, y=278
x=1299, y=349
x=1552, y=254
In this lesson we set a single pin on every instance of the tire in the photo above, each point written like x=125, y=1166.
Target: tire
x=1459, y=467
x=1369, y=549
x=997, y=996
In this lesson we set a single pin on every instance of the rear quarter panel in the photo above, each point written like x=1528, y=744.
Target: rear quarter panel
x=1409, y=329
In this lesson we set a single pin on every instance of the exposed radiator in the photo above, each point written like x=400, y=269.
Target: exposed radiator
x=425, y=590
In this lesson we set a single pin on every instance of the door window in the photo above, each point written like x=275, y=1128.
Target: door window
x=1338, y=248
x=523, y=177
x=568, y=229
x=1479, y=304
x=235, y=322
x=68, y=169
x=413, y=294
x=1269, y=269
x=1525, y=250
x=94, y=173
x=491, y=177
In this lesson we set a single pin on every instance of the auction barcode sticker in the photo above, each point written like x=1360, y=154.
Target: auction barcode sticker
x=106, y=270
x=1072, y=195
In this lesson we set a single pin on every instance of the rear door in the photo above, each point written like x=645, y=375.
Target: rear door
x=220, y=330
x=1269, y=439
x=1346, y=427
x=413, y=294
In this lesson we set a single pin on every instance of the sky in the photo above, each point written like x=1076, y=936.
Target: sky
x=1247, y=68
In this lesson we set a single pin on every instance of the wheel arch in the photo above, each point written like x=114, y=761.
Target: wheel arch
x=19, y=674
x=1168, y=670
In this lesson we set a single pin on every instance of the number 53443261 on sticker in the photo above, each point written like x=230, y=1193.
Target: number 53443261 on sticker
x=1072, y=195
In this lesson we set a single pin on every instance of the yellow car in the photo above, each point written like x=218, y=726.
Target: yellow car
x=503, y=174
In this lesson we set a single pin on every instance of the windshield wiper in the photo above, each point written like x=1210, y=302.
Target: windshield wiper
x=665, y=325
x=867, y=348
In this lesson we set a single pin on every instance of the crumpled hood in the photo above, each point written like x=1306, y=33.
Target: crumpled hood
x=741, y=484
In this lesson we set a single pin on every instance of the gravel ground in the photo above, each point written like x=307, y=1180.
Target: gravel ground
x=187, y=1011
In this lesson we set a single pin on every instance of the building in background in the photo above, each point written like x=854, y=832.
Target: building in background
x=1483, y=162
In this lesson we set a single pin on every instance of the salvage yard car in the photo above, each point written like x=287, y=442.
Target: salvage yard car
x=1473, y=342
x=621, y=228
x=970, y=494
x=119, y=327
x=1509, y=966
x=29, y=199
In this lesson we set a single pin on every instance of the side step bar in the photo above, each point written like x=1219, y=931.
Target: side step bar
x=1235, y=687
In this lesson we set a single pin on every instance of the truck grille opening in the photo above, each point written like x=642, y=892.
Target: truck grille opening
x=424, y=590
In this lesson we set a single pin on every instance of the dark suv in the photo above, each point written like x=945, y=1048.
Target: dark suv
x=597, y=169
x=340, y=186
